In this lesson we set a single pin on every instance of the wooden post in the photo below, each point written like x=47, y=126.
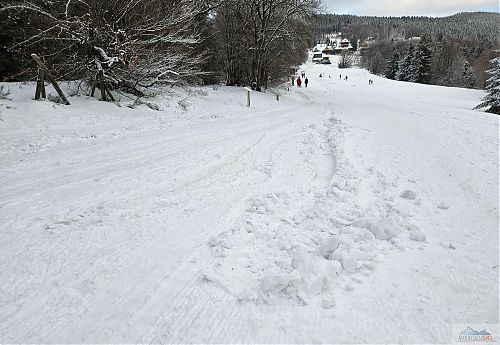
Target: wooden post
x=38, y=89
x=94, y=85
x=248, y=95
x=101, y=85
x=42, y=83
x=109, y=93
x=50, y=77
x=99, y=82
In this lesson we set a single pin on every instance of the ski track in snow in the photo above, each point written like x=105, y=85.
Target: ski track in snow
x=338, y=215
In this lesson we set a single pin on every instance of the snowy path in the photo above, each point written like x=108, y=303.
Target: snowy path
x=337, y=215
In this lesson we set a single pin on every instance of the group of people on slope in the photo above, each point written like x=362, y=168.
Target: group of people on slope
x=301, y=78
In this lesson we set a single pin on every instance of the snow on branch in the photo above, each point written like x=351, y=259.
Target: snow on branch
x=145, y=41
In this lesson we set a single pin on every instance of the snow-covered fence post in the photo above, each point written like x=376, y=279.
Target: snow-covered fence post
x=41, y=76
x=101, y=85
x=99, y=82
x=40, y=85
x=248, y=95
x=51, y=79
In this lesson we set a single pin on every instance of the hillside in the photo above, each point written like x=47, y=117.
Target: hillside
x=482, y=27
x=344, y=213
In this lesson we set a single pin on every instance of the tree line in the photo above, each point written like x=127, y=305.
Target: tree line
x=143, y=43
x=424, y=61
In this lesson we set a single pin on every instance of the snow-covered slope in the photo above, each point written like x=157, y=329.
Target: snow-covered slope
x=345, y=212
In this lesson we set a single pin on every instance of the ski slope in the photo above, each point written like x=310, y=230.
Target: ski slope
x=344, y=213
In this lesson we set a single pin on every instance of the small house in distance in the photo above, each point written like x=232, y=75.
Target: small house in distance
x=328, y=50
x=343, y=45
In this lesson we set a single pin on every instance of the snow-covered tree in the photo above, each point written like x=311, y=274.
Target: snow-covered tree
x=393, y=65
x=468, y=76
x=492, y=99
x=422, y=61
x=346, y=59
x=407, y=68
x=260, y=40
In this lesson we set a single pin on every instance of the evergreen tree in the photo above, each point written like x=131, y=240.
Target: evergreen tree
x=407, y=70
x=492, y=99
x=468, y=76
x=422, y=61
x=393, y=65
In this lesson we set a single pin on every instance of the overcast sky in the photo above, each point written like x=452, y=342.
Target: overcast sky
x=409, y=7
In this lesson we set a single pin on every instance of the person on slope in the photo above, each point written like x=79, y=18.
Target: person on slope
x=306, y=81
x=346, y=78
x=299, y=82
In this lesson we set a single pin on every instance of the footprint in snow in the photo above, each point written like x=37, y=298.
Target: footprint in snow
x=443, y=206
x=409, y=194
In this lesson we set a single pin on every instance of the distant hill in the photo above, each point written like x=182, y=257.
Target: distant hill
x=482, y=27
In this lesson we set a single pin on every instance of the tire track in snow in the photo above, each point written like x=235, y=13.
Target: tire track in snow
x=127, y=258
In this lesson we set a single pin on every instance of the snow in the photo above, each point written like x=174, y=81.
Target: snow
x=343, y=213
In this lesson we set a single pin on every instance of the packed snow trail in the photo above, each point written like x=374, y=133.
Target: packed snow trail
x=346, y=212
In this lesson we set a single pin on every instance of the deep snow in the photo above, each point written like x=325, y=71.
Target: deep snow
x=344, y=213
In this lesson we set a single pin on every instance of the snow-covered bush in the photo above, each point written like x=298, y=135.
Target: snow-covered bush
x=138, y=43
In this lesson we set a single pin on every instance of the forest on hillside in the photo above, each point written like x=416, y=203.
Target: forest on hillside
x=458, y=48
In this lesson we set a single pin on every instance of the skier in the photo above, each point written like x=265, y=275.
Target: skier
x=306, y=81
x=345, y=78
x=299, y=81
x=340, y=77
